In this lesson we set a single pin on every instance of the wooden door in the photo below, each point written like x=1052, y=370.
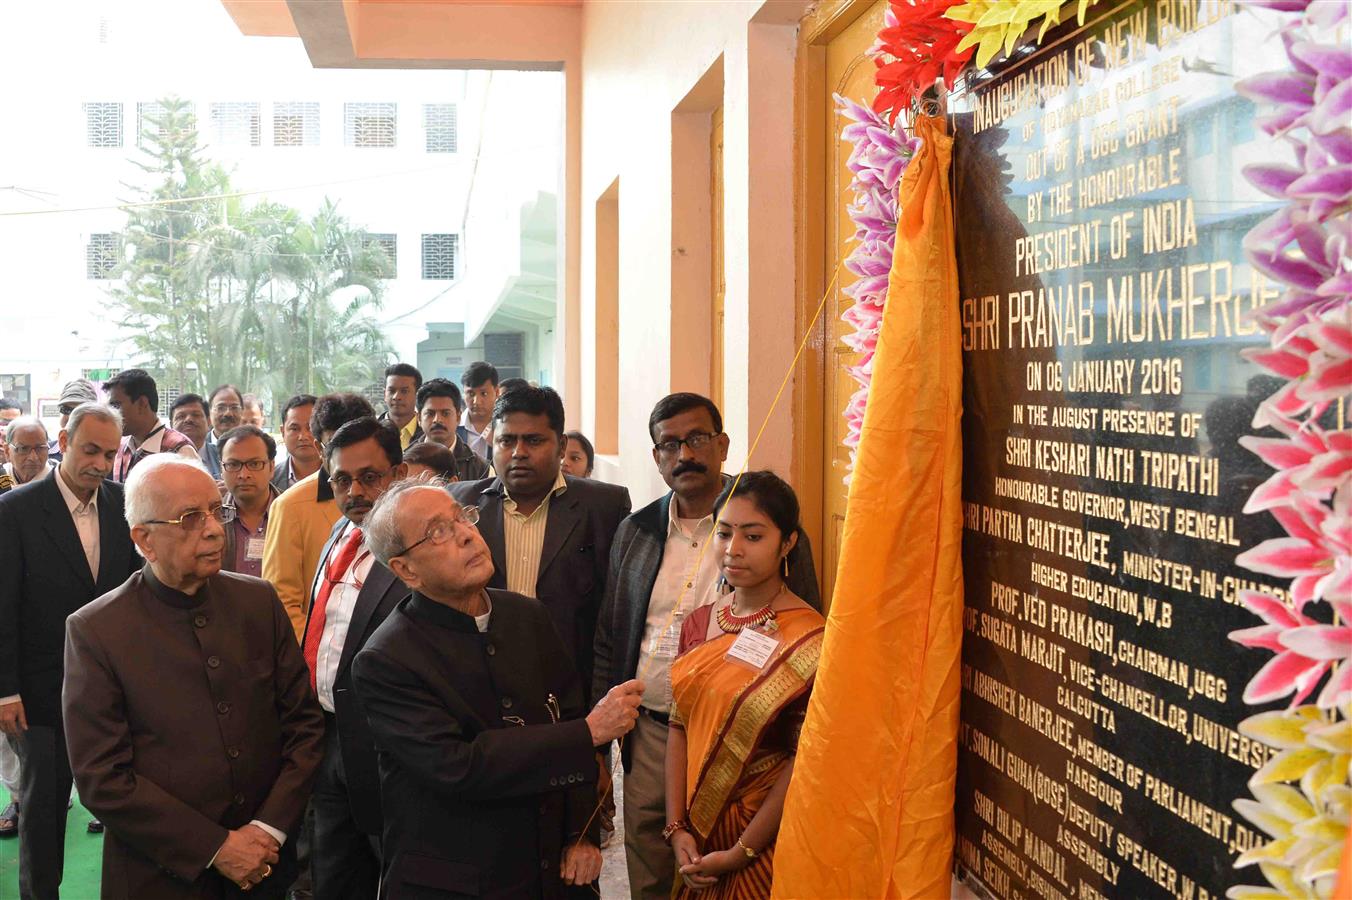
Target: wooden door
x=848, y=72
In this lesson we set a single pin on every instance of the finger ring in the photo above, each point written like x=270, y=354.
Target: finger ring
x=244, y=885
x=267, y=870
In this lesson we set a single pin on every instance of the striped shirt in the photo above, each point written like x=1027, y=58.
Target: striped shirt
x=524, y=537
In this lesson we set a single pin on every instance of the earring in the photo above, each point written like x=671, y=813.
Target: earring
x=784, y=566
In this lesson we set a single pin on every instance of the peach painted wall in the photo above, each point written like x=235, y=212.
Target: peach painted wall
x=639, y=61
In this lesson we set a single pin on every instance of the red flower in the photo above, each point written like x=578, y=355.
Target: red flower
x=916, y=47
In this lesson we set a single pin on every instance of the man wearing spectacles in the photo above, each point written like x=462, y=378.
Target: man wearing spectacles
x=480, y=719
x=661, y=571
x=27, y=439
x=225, y=410
x=198, y=756
x=133, y=393
x=352, y=594
x=248, y=455
x=63, y=542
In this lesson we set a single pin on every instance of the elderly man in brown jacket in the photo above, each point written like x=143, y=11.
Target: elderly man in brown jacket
x=192, y=731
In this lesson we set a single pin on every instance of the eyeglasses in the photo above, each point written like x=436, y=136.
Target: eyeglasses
x=67, y=408
x=234, y=465
x=441, y=532
x=697, y=441
x=367, y=480
x=227, y=408
x=24, y=449
x=194, y=519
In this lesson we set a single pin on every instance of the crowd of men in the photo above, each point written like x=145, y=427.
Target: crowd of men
x=388, y=656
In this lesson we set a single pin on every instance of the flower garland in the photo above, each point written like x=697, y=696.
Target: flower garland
x=880, y=155
x=929, y=41
x=1302, y=796
x=917, y=47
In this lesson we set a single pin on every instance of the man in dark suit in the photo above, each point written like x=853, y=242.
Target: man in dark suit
x=197, y=756
x=549, y=533
x=351, y=595
x=63, y=542
x=486, y=750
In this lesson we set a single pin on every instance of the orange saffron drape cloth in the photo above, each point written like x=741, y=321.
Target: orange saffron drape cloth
x=870, y=809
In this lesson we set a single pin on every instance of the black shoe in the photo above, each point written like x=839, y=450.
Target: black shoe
x=94, y=827
x=9, y=821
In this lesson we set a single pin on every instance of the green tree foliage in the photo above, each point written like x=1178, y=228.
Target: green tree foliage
x=213, y=289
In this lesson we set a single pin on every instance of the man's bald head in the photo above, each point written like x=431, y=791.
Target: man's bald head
x=155, y=485
x=177, y=521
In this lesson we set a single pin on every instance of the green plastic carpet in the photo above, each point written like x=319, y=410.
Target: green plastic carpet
x=84, y=857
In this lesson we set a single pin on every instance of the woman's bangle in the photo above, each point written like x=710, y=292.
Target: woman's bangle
x=750, y=854
x=670, y=830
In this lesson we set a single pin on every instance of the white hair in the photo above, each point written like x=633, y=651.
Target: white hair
x=24, y=422
x=381, y=525
x=142, y=499
x=91, y=411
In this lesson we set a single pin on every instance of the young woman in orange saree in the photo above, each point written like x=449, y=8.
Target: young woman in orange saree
x=738, y=700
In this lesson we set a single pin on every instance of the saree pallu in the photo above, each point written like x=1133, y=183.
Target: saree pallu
x=741, y=727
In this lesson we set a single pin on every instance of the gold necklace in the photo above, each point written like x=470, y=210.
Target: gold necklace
x=732, y=624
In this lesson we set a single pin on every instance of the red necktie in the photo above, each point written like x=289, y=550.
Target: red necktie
x=333, y=572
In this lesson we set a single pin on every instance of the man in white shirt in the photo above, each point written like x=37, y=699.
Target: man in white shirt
x=133, y=393
x=662, y=567
x=352, y=594
x=63, y=542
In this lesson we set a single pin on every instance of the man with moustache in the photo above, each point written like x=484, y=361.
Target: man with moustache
x=63, y=542
x=302, y=456
x=247, y=458
x=353, y=593
x=660, y=571
x=486, y=749
x=549, y=533
x=197, y=756
x=189, y=417
x=303, y=517
x=439, y=412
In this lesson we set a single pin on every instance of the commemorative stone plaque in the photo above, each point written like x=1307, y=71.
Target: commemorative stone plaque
x=1106, y=298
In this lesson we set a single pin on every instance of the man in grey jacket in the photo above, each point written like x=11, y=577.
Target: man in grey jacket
x=660, y=571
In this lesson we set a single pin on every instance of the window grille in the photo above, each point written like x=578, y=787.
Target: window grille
x=236, y=124
x=390, y=244
x=295, y=124
x=103, y=124
x=101, y=256
x=149, y=116
x=439, y=121
x=440, y=256
x=370, y=124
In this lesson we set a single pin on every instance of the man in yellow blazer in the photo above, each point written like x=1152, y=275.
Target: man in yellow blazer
x=301, y=519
